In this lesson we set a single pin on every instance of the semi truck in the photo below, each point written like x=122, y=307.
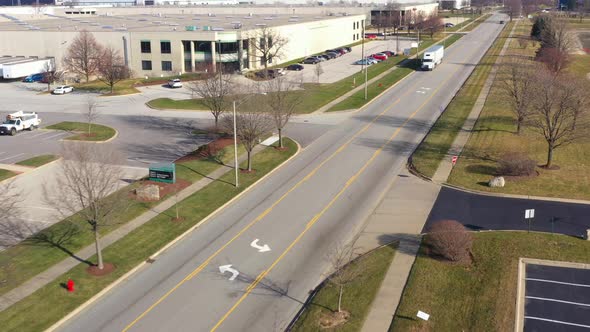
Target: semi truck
x=24, y=67
x=433, y=57
x=19, y=121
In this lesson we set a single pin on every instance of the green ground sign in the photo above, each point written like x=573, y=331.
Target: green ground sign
x=163, y=172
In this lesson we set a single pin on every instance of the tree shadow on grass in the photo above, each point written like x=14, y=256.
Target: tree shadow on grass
x=482, y=169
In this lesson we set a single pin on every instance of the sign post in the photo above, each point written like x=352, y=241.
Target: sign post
x=529, y=214
x=163, y=172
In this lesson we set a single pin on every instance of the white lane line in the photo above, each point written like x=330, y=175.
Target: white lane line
x=557, y=282
x=41, y=208
x=555, y=300
x=56, y=135
x=557, y=321
x=13, y=156
x=41, y=134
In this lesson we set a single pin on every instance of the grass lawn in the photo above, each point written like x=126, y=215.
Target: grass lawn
x=5, y=174
x=52, y=302
x=128, y=86
x=481, y=296
x=183, y=104
x=356, y=298
x=98, y=132
x=38, y=160
x=494, y=135
x=435, y=146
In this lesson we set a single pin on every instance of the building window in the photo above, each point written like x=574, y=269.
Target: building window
x=167, y=65
x=165, y=47
x=353, y=37
x=146, y=47
x=146, y=65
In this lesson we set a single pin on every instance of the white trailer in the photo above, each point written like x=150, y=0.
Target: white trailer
x=26, y=67
x=433, y=57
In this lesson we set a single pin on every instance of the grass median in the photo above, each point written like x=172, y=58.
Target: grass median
x=435, y=146
x=52, y=302
x=38, y=160
x=6, y=174
x=82, y=132
x=480, y=296
x=356, y=298
x=129, y=86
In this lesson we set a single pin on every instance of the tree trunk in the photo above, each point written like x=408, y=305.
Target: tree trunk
x=249, y=160
x=549, y=155
x=112, y=86
x=216, y=116
x=340, y=298
x=518, y=125
x=48, y=86
x=98, y=250
x=89, y=127
x=280, y=138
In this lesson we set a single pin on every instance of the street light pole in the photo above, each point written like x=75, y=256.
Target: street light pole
x=236, y=166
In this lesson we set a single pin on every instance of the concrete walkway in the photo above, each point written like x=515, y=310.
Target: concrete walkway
x=16, y=168
x=67, y=264
x=400, y=216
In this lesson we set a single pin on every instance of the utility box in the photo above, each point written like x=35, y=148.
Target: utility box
x=163, y=172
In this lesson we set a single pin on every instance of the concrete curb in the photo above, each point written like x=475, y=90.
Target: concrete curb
x=167, y=246
x=32, y=170
x=520, y=292
x=91, y=142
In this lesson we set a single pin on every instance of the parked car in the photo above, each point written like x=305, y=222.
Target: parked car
x=295, y=67
x=501, y=22
x=311, y=61
x=33, y=78
x=325, y=57
x=373, y=60
x=364, y=62
x=319, y=57
x=379, y=56
x=370, y=35
x=335, y=54
x=389, y=53
x=63, y=89
x=347, y=49
x=449, y=25
x=175, y=83
x=330, y=55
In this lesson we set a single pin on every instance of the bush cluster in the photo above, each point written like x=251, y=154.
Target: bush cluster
x=516, y=164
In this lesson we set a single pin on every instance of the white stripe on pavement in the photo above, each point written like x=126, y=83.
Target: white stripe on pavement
x=58, y=134
x=557, y=282
x=556, y=321
x=40, y=134
x=13, y=156
x=555, y=300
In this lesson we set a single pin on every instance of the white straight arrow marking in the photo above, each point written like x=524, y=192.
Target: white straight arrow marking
x=228, y=268
x=263, y=248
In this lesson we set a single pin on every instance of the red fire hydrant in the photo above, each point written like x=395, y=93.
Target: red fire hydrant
x=70, y=285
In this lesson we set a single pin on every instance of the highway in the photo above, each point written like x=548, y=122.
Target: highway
x=316, y=201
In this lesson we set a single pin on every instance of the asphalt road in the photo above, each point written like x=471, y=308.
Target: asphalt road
x=482, y=212
x=557, y=299
x=302, y=211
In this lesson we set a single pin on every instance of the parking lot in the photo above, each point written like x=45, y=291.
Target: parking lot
x=343, y=66
x=27, y=144
x=556, y=299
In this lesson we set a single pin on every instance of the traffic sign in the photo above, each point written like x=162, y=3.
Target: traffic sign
x=529, y=213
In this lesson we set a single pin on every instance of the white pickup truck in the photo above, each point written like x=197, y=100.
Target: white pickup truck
x=18, y=121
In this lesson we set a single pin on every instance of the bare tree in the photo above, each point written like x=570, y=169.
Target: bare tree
x=216, y=91
x=83, y=55
x=557, y=42
x=267, y=44
x=516, y=79
x=12, y=229
x=281, y=102
x=91, y=113
x=112, y=68
x=252, y=125
x=51, y=74
x=556, y=111
x=88, y=185
x=449, y=239
x=342, y=272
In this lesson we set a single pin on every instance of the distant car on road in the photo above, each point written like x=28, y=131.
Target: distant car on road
x=449, y=25
x=63, y=89
x=175, y=83
x=295, y=67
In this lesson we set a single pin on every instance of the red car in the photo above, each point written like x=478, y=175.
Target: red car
x=379, y=56
x=370, y=35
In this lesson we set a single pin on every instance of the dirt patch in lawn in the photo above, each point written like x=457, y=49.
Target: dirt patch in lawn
x=165, y=188
x=95, y=271
x=207, y=151
x=334, y=319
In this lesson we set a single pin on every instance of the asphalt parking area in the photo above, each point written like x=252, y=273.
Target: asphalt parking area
x=27, y=144
x=556, y=299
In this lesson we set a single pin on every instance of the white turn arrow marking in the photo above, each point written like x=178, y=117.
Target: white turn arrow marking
x=263, y=248
x=228, y=268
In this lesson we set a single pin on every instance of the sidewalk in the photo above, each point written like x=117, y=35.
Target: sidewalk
x=16, y=168
x=401, y=215
x=378, y=77
x=67, y=264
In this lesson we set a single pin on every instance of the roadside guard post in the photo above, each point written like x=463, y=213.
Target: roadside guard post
x=70, y=285
x=163, y=172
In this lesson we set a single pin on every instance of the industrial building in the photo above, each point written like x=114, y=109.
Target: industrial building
x=175, y=40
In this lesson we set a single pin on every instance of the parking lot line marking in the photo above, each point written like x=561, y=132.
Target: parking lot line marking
x=56, y=135
x=13, y=156
x=557, y=282
x=555, y=300
x=556, y=321
x=40, y=134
